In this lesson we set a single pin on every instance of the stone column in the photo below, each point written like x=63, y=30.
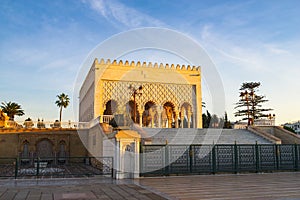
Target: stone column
x=189, y=115
x=164, y=118
x=101, y=117
x=159, y=112
x=152, y=112
x=176, y=119
x=170, y=120
x=182, y=117
x=141, y=117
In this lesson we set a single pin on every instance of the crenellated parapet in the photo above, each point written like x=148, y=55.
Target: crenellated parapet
x=140, y=64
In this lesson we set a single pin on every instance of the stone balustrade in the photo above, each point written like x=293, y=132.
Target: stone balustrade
x=45, y=125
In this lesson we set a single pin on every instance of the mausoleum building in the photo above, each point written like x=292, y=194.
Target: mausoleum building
x=152, y=95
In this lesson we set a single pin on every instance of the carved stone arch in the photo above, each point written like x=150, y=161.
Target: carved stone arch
x=62, y=150
x=169, y=119
x=44, y=147
x=44, y=138
x=150, y=114
x=186, y=115
x=155, y=102
x=186, y=104
x=168, y=101
x=129, y=110
x=24, y=142
x=110, y=107
x=62, y=141
x=24, y=149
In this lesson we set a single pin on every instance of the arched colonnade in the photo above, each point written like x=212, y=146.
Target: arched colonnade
x=151, y=114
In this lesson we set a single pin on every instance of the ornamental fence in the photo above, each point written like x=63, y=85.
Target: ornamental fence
x=197, y=159
x=66, y=167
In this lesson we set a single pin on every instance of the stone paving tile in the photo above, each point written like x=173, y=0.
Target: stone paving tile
x=280, y=186
x=21, y=195
x=7, y=195
x=73, y=189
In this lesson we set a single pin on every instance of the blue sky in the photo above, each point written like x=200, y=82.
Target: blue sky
x=43, y=44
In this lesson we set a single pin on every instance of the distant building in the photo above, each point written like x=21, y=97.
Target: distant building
x=264, y=122
x=294, y=125
x=269, y=121
x=240, y=125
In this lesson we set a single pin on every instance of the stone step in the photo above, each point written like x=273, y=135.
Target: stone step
x=202, y=136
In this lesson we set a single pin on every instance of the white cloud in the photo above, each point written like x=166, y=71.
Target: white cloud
x=273, y=49
x=273, y=63
x=118, y=13
x=225, y=50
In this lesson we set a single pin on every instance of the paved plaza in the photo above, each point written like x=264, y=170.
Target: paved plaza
x=283, y=186
x=73, y=189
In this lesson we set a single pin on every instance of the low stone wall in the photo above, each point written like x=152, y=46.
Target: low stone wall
x=285, y=136
x=265, y=133
x=12, y=141
x=9, y=145
x=94, y=142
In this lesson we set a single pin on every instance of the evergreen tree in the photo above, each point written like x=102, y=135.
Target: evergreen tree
x=214, y=121
x=289, y=129
x=206, y=118
x=227, y=123
x=221, y=122
x=250, y=104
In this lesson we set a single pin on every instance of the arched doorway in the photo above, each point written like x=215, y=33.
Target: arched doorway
x=186, y=115
x=110, y=107
x=168, y=116
x=25, y=157
x=44, y=149
x=62, y=152
x=130, y=111
x=150, y=115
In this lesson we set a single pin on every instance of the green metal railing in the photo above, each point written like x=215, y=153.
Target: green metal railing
x=196, y=159
x=55, y=167
x=8, y=167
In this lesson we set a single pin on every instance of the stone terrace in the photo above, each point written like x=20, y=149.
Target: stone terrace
x=202, y=136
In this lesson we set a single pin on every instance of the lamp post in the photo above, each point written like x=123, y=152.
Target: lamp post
x=272, y=119
x=134, y=92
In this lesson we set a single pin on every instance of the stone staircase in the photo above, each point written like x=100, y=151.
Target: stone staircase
x=277, y=133
x=201, y=136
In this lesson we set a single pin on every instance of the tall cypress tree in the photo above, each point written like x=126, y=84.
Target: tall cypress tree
x=227, y=123
x=250, y=104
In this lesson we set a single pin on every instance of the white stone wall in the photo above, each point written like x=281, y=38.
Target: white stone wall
x=109, y=147
x=86, y=97
x=95, y=141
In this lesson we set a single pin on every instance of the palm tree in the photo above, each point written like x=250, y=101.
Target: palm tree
x=12, y=109
x=62, y=102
